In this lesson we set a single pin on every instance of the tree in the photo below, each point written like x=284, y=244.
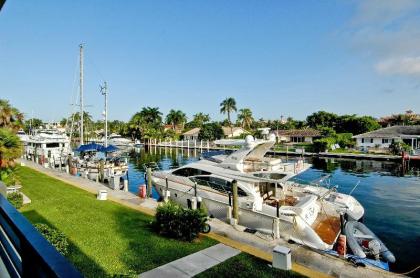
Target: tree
x=147, y=123
x=176, y=117
x=245, y=117
x=10, y=117
x=211, y=131
x=226, y=107
x=322, y=119
x=356, y=125
x=33, y=123
x=199, y=119
x=10, y=147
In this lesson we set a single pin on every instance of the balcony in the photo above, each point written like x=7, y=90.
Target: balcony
x=24, y=252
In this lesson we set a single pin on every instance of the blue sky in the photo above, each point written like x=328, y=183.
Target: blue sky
x=278, y=58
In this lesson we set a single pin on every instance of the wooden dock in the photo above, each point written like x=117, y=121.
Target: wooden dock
x=206, y=145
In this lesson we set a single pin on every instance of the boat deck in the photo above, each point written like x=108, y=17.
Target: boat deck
x=327, y=227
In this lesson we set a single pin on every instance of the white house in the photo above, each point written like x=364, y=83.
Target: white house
x=384, y=137
x=191, y=134
x=234, y=132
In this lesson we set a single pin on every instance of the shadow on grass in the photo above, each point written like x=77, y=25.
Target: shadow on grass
x=146, y=249
x=87, y=266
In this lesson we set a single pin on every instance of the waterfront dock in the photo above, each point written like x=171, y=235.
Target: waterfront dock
x=306, y=261
x=206, y=145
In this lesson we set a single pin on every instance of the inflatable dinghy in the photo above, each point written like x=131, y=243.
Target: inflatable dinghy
x=362, y=242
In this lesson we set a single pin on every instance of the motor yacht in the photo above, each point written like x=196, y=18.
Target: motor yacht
x=48, y=147
x=306, y=214
x=119, y=141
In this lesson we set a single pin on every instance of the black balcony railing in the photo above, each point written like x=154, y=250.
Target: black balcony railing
x=24, y=251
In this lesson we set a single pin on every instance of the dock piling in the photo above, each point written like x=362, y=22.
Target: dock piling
x=149, y=182
x=235, y=199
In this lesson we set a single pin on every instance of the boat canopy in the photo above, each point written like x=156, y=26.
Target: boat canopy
x=93, y=147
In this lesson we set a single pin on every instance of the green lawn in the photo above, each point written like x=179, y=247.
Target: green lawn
x=106, y=239
x=244, y=265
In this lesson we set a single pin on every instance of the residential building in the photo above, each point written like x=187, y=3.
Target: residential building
x=234, y=132
x=191, y=134
x=384, y=137
x=306, y=135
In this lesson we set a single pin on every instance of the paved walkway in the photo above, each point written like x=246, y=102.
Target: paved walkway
x=129, y=199
x=193, y=264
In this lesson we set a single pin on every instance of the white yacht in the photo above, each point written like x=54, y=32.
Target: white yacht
x=119, y=141
x=48, y=147
x=309, y=215
x=22, y=136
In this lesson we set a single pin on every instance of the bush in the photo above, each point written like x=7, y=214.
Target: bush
x=55, y=237
x=9, y=177
x=174, y=221
x=211, y=131
x=324, y=144
x=345, y=140
x=398, y=147
x=16, y=199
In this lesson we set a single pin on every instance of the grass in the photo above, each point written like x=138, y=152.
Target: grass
x=106, y=239
x=244, y=265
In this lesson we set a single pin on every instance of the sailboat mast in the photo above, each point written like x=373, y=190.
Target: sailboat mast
x=81, y=94
x=105, y=93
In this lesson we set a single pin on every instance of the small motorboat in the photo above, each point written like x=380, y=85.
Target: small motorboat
x=364, y=243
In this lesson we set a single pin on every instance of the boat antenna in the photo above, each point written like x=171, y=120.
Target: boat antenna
x=104, y=92
x=81, y=93
x=354, y=187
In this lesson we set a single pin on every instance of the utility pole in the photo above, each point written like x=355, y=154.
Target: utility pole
x=81, y=94
x=105, y=93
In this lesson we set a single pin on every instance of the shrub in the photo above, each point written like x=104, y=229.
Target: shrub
x=345, y=140
x=55, y=237
x=322, y=145
x=174, y=221
x=16, y=199
x=398, y=147
x=9, y=177
x=211, y=131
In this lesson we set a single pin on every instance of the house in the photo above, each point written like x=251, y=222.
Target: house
x=191, y=134
x=384, y=137
x=234, y=132
x=178, y=128
x=306, y=135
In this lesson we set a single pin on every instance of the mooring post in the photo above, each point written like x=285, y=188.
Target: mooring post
x=235, y=200
x=102, y=171
x=195, y=189
x=149, y=182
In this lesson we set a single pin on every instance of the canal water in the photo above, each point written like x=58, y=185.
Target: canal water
x=391, y=199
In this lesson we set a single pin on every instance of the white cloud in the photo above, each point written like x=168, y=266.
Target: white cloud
x=388, y=32
x=403, y=66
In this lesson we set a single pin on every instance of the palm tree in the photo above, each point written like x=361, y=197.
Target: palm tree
x=10, y=147
x=200, y=118
x=152, y=116
x=176, y=117
x=226, y=107
x=10, y=117
x=245, y=117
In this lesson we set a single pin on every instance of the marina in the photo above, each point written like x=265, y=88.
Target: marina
x=210, y=139
x=379, y=182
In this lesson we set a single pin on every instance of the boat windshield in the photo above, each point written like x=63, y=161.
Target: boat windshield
x=188, y=172
x=218, y=184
